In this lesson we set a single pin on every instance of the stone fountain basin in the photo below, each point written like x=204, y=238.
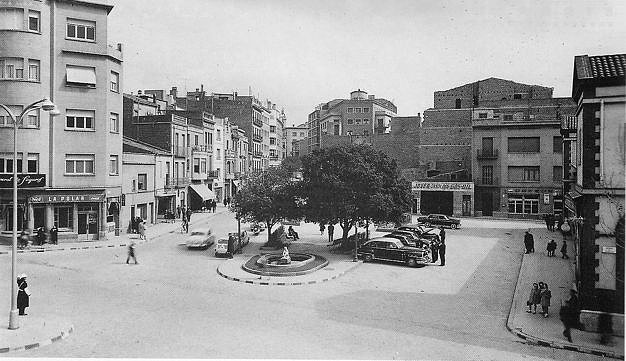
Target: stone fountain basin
x=301, y=264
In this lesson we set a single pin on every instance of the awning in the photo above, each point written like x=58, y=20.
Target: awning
x=203, y=191
x=81, y=75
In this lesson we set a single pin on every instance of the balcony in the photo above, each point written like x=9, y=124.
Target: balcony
x=257, y=138
x=487, y=154
x=487, y=182
x=213, y=174
x=257, y=122
x=257, y=154
x=273, y=157
x=177, y=182
x=229, y=176
x=180, y=151
x=201, y=148
x=229, y=153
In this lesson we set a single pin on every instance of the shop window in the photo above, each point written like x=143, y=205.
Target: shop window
x=526, y=204
x=64, y=217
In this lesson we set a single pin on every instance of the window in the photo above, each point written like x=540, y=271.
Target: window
x=272, y=129
x=6, y=162
x=272, y=141
x=357, y=110
x=114, y=165
x=517, y=96
x=302, y=134
x=218, y=154
x=33, y=69
x=523, y=174
x=524, y=204
x=366, y=110
x=557, y=174
x=523, y=145
x=482, y=115
x=487, y=174
x=79, y=119
x=33, y=20
x=81, y=30
x=79, y=164
x=349, y=110
x=202, y=165
x=11, y=68
x=366, y=132
x=366, y=121
x=557, y=144
x=32, y=163
x=219, y=135
x=142, y=181
x=64, y=217
x=294, y=134
x=457, y=104
x=196, y=165
x=195, y=139
x=357, y=121
x=11, y=19
x=114, y=123
x=80, y=76
x=115, y=82
x=350, y=121
x=508, y=117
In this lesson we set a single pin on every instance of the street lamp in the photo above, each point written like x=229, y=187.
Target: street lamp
x=50, y=107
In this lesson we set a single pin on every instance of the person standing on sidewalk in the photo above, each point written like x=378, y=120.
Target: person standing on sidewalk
x=570, y=315
x=533, y=299
x=142, y=230
x=331, y=229
x=546, y=295
x=564, y=250
x=54, y=235
x=529, y=242
x=434, y=251
x=551, y=247
x=131, y=251
x=23, y=294
x=442, y=253
x=322, y=229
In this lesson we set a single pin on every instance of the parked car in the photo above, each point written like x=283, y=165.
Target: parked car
x=407, y=238
x=245, y=237
x=421, y=231
x=440, y=220
x=229, y=246
x=392, y=249
x=200, y=238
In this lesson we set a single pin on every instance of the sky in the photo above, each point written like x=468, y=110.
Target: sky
x=299, y=54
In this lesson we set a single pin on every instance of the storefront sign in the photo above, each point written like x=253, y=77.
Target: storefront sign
x=442, y=186
x=67, y=198
x=569, y=203
x=546, y=198
x=609, y=249
x=23, y=180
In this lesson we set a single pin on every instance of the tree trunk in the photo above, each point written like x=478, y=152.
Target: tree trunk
x=356, y=242
x=345, y=227
x=269, y=232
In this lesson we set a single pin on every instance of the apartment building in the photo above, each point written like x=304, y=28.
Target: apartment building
x=59, y=49
x=294, y=137
x=594, y=166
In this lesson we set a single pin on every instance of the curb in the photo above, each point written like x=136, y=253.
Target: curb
x=265, y=283
x=63, y=335
x=536, y=341
x=73, y=248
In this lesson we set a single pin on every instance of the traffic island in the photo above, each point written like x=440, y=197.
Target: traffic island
x=34, y=332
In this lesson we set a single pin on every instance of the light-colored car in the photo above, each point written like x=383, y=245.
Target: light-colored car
x=200, y=238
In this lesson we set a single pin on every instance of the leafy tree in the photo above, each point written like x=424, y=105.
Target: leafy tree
x=349, y=184
x=268, y=197
x=292, y=163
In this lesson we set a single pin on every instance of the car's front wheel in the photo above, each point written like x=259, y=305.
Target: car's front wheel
x=367, y=258
x=411, y=262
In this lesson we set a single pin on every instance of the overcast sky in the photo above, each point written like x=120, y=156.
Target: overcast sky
x=302, y=53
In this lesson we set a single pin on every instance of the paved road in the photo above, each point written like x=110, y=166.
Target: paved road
x=174, y=305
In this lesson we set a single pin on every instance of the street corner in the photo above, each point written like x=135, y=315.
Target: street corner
x=233, y=270
x=34, y=331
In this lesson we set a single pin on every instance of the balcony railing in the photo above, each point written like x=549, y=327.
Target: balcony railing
x=201, y=148
x=257, y=137
x=487, y=181
x=257, y=122
x=229, y=176
x=257, y=153
x=229, y=153
x=171, y=182
x=273, y=157
x=487, y=154
x=212, y=174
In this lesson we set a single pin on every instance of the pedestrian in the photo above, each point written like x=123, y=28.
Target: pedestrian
x=322, y=229
x=24, y=239
x=131, y=251
x=41, y=235
x=551, y=247
x=23, y=294
x=224, y=201
x=442, y=234
x=189, y=213
x=178, y=212
x=293, y=233
x=142, y=230
x=529, y=242
x=546, y=295
x=331, y=230
x=546, y=219
x=534, y=298
x=442, y=253
x=570, y=315
x=54, y=235
x=434, y=251
x=214, y=205
x=564, y=250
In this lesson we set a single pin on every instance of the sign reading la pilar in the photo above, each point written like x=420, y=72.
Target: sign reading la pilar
x=66, y=198
x=23, y=180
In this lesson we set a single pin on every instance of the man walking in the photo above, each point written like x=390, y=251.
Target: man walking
x=331, y=229
x=529, y=242
x=131, y=251
x=442, y=253
x=564, y=250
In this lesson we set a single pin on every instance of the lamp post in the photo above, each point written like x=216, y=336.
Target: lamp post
x=48, y=106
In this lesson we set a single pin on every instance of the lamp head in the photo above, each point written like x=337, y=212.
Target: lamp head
x=54, y=111
x=47, y=105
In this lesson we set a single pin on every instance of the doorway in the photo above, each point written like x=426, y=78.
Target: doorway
x=39, y=217
x=467, y=205
x=487, y=203
x=88, y=222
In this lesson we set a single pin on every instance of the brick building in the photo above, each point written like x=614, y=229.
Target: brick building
x=595, y=167
x=76, y=157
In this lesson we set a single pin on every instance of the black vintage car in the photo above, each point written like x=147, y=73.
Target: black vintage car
x=392, y=249
x=440, y=220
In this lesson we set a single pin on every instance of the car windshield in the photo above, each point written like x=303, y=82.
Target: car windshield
x=198, y=233
x=223, y=241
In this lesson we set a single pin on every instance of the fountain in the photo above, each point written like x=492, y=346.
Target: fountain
x=285, y=264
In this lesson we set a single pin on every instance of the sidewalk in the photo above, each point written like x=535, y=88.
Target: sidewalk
x=36, y=331
x=153, y=231
x=558, y=273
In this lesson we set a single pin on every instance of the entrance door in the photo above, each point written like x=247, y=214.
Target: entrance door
x=467, y=205
x=88, y=222
x=487, y=203
x=39, y=217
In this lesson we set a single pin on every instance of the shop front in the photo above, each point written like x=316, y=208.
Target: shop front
x=79, y=216
x=27, y=184
x=449, y=198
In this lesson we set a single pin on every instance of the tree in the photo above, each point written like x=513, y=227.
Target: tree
x=349, y=184
x=268, y=197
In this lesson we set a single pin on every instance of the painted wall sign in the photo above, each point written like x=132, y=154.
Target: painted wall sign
x=23, y=180
x=442, y=186
x=67, y=198
x=609, y=249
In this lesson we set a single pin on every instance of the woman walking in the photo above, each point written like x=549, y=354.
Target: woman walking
x=546, y=295
x=142, y=230
x=534, y=298
x=23, y=294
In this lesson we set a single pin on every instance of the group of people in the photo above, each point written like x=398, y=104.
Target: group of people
x=39, y=237
x=292, y=234
x=540, y=294
x=438, y=248
x=529, y=246
x=138, y=226
x=331, y=231
x=185, y=214
x=552, y=221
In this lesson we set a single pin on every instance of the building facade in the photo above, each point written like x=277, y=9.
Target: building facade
x=595, y=197
x=59, y=49
x=293, y=138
